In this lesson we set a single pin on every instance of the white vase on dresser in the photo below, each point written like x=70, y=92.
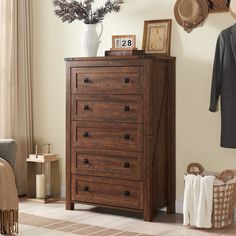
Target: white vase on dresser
x=91, y=39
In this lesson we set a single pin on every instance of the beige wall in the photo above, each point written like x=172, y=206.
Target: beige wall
x=198, y=131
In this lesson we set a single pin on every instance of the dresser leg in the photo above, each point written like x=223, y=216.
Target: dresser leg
x=70, y=206
x=148, y=215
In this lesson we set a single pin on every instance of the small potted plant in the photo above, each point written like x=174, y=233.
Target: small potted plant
x=71, y=10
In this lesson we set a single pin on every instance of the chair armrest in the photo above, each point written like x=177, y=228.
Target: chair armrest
x=8, y=150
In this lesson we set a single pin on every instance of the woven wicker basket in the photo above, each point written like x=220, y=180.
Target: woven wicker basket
x=224, y=192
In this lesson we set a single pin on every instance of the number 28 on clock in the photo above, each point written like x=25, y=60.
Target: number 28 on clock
x=123, y=42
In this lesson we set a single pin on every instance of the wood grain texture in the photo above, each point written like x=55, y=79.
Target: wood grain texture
x=148, y=164
x=109, y=137
x=31, y=180
x=69, y=204
x=115, y=108
x=171, y=139
x=108, y=80
x=124, y=165
x=121, y=132
x=98, y=190
x=159, y=144
x=55, y=179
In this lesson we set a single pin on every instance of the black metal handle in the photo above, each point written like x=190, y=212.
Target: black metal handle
x=86, y=134
x=86, y=188
x=86, y=80
x=126, y=80
x=86, y=107
x=126, y=165
x=85, y=161
x=126, y=108
x=126, y=193
x=126, y=137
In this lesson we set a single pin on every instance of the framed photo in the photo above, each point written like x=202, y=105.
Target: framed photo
x=157, y=37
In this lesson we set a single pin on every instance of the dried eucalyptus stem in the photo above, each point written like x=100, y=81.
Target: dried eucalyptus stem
x=70, y=10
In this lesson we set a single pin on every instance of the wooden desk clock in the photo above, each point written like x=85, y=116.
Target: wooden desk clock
x=123, y=42
x=123, y=45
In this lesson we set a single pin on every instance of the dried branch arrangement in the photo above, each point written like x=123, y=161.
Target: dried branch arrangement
x=70, y=10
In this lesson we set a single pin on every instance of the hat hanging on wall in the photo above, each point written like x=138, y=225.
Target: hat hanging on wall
x=191, y=13
x=232, y=8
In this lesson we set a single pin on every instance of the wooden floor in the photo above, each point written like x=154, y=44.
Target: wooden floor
x=163, y=224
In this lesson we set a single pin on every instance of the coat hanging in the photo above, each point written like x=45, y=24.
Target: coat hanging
x=224, y=85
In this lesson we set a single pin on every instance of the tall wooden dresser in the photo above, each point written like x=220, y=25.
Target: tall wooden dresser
x=120, y=133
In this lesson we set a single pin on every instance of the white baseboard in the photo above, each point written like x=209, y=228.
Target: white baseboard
x=179, y=206
x=62, y=191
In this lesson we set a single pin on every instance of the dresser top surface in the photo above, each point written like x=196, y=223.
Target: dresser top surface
x=142, y=57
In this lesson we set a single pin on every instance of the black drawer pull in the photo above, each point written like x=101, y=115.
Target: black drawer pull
x=126, y=108
x=126, y=137
x=86, y=134
x=86, y=188
x=86, y=80
x=86, y=107
x=86, y=161
x=126, y=165
x=126, y=80
x=126, y=193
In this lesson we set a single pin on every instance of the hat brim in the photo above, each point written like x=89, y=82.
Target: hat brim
x=178, y=17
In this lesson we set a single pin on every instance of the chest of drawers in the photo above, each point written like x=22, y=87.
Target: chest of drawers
x=120, y=133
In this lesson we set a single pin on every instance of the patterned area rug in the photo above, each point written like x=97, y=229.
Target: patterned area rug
x=59, y=227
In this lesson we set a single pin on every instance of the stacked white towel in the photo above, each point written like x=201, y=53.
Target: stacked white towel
x=198, y=200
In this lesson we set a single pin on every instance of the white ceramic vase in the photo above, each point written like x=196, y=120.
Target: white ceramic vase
x=91, y=40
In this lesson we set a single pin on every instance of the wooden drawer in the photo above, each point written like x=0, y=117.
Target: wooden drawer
x=109, y=136
x=116, y=164
x=126, y=108
x=107, y=191
x=106, y=80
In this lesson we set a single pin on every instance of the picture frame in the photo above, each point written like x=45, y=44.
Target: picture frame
x=157, y=37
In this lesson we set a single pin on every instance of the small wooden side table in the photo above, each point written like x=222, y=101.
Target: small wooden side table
x=46, y=166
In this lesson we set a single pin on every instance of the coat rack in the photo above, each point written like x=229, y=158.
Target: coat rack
x=216, y=6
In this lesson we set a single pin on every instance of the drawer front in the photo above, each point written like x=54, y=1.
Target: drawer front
x=110, y=136
x=106, y=80
x=107, y=108
x=113, y=192
x=106, y=163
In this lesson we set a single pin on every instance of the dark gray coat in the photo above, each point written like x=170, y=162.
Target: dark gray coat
x=224, y=85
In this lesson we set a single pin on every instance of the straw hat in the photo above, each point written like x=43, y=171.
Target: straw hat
x=232, y=8
x=190, y=13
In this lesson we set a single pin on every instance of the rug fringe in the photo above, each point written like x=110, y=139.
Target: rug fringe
x=8, y=221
